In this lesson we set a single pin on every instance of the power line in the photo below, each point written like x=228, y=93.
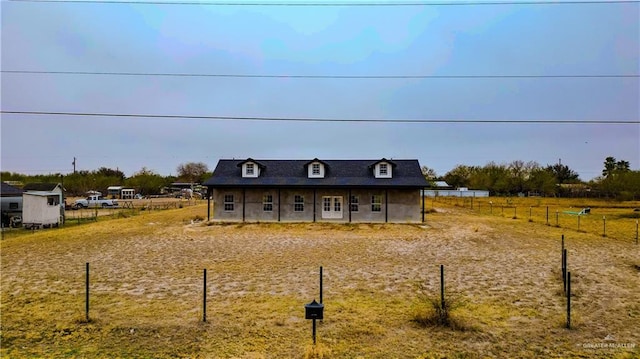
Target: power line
x=98, y=73
x=339, y=4
x=310, y=119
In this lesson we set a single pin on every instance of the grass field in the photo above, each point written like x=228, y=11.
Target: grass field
x=146, y=288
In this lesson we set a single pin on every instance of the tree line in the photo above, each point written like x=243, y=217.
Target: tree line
x=146, y=181
x=510, y=179
x=519, y=177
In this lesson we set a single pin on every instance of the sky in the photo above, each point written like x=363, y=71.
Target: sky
x=470, y=61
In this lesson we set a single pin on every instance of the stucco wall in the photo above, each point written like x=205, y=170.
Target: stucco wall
x=400, y=206
x=36, y=210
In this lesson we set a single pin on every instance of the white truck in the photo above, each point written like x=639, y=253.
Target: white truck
x=94, y=201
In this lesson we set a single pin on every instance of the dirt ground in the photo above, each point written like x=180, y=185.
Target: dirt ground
x=147, y=289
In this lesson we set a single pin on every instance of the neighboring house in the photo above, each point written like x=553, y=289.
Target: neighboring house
x=10, y=205
x=43, y=205
x=317, y=190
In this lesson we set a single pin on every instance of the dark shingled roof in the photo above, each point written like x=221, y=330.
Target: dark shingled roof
x=46, y=187
x=338, y=173
x=8, y=190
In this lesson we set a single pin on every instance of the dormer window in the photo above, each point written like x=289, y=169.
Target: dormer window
x=251, y=168
x=316, y=169
x=383, y=169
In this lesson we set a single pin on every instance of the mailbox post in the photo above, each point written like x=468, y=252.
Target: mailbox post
x=314, y=311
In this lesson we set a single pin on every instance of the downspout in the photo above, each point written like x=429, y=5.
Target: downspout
x=349, y=204
x=314, y=204
x=386, y=206
x=278, y=204
x=209, y=193
x=422, y=199
x=244, y=194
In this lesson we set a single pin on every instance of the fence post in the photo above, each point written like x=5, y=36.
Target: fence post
x=515, y=212
x=578, y=222
x=87, y=292
x=564, y=270
x=568, y=300
x=562, y=251
x=204, y=296
x=320, y=284
x=636, y=231
x=530, y=220
x=604, y=226
x=442, y=286
x=557, y=215
x=547, y=215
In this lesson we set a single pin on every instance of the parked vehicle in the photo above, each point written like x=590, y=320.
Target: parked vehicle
x=94, y=201
x=11, y=208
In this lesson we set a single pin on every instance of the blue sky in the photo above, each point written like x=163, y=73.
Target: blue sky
x=432, y=40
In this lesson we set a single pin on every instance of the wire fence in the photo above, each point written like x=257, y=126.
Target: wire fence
x=616, y=220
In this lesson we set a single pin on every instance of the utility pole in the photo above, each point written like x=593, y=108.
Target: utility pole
x=74, y=165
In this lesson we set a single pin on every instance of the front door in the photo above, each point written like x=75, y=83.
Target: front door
x=332, y=207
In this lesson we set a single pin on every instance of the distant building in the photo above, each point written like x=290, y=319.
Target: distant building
x=317, y=190
x=114, y=191
x=43, y=205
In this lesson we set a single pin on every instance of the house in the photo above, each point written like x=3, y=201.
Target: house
x=10, y=205
x=316, y=190
x=42, y=205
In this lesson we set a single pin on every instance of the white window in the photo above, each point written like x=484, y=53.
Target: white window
x=383, y=170
x=250, y=169
x=267, y=203
x=355, y=203
x=376, y=203
x=53, y=200
x=298, y=203
x=228, y=203
x=316, y=170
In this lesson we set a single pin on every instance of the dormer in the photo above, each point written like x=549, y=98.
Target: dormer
x=251, y=168
x=316, y=168
x=383, y=168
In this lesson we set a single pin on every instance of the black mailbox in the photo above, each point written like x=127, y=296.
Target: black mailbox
x=313, y=310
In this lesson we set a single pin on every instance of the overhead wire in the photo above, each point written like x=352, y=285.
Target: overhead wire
x=335, y=4
x=279, y=76
x=318, y=119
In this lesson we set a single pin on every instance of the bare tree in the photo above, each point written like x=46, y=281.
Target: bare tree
x=192, y=171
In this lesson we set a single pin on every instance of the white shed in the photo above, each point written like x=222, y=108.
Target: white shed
x=41, y=209
x=42, y=205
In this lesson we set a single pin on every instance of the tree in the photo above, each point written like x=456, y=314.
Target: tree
x=612, y=167
x=460, y=176
x=429, y=173
x=192, y=171
x=542, y=181
x=562, y=173
x=609, y=166
x=146, y=181
x=108, y=172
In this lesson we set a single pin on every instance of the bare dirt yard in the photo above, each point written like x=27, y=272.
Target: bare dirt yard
x=146, y=289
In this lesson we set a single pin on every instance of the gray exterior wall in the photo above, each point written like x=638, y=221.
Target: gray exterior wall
x=397, y=205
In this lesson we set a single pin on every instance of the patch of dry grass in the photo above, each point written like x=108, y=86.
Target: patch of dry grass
x=146, y=285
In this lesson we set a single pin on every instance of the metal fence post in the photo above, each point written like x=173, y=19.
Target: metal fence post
x=87, y=292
